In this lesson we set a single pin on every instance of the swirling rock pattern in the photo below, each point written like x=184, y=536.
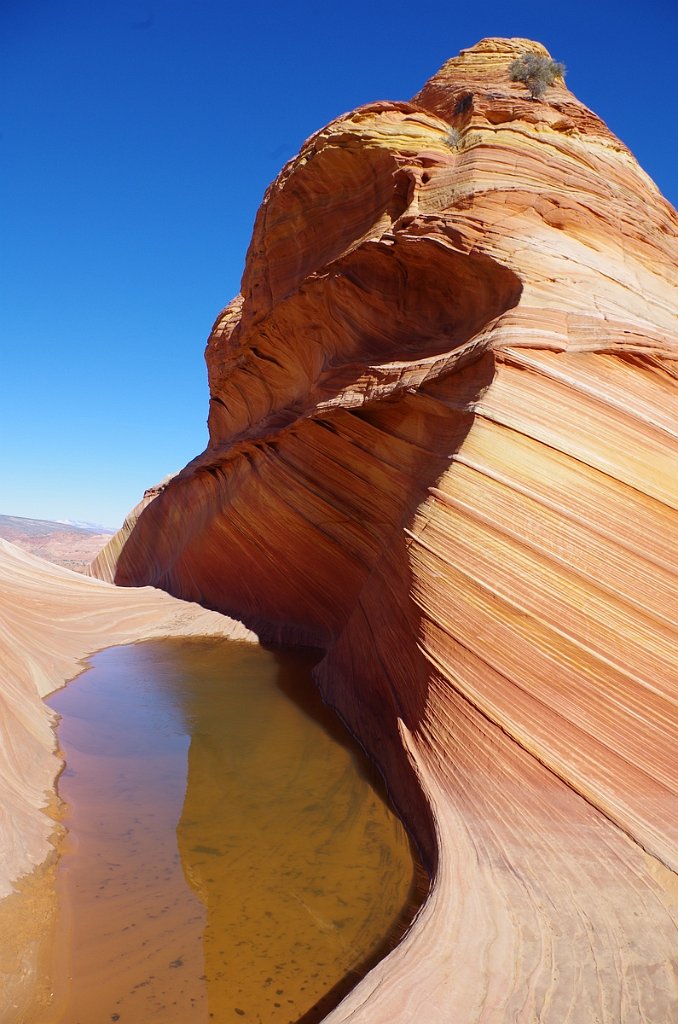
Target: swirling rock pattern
x=442, y=448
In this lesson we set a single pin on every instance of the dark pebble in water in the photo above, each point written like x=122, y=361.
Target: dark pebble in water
x=115, y=1016
x=238, y=1010
x=177, y=963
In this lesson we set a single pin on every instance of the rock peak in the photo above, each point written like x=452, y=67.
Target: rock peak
x=490, y=57
x=499, y=45
x=477, y=83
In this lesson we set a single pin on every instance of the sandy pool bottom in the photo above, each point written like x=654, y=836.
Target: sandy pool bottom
x=230, y=855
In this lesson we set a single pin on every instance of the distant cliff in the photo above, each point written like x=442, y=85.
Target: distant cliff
x=442, y=448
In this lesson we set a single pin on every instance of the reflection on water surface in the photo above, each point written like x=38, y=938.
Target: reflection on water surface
x=230, y=854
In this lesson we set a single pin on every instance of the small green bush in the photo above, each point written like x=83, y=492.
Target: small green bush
x=536, y=72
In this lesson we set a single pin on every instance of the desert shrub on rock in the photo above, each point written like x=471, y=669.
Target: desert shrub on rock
x=536, y=72
x=453, y=138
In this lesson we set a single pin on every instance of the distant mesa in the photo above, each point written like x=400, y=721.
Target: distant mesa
x=70, y=544
x=90, y=527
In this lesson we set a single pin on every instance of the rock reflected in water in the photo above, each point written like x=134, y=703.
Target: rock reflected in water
x=231, y=856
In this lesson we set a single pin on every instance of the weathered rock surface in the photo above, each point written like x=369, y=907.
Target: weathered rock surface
x=442, y=448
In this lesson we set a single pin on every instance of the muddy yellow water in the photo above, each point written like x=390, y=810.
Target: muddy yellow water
x=230, y=853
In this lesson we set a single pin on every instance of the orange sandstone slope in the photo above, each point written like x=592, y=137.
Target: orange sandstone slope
x=442, y=448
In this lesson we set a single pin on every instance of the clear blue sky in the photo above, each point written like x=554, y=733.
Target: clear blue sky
x=136, y=141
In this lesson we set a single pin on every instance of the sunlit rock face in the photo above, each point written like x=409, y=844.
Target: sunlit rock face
x=442, y=449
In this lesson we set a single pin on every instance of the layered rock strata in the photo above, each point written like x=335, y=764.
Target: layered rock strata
x=442, y=449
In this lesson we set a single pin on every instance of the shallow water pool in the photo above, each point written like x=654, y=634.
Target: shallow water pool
x=230, y=853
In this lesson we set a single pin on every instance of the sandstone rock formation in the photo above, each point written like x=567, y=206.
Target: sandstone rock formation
x=103, y=565
x=442, y=448
x=50, y=620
